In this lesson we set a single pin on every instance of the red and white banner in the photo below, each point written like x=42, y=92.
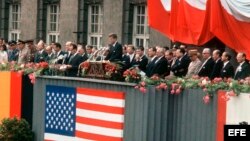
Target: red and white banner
x=230, y=112
x=193, y=22
x=230, y=22
x=186, y=21
x=159, y=16
x=198, y=21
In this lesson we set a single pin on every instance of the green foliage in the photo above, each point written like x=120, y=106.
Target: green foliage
x=191, y=83
x=13, y=129
x=239, y=87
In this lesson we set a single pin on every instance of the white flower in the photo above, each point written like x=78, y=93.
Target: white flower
x=231, y=84
x=22, y=66
x=204, y=82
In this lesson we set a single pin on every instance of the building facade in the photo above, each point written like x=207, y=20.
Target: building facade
x=81, y=21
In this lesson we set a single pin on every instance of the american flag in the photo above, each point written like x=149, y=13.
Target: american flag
x=82, y=114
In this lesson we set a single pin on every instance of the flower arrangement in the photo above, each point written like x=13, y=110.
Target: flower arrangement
x=31, y=69
x=142, y=87
x=210, y=87
x=154, y=80
x=85, y=67
x=132, y=75
x=111, y=69
x=175, y=85
x=10, y=66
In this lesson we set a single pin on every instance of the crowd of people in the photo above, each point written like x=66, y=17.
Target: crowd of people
x=161, y=61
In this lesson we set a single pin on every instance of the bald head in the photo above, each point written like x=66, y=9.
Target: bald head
x=48, y=49
x=40, y=45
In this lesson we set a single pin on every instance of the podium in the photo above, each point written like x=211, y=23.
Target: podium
x=101, y=70
x=93, y=69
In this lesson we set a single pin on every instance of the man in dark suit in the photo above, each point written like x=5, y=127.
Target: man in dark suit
x=40, y=55
x=81, y=51
x=207, y=65
x=51, y=56
x=74, y=61
x=160, y=66
x=125, y=59
x=131, y=54
x=180, y=67
x=152, y=55
x=185, y=56
x=140, y=59
x=227, y=70
x=170, y=57
x=115, y=50
x=32, y=49
x=243, y=68
x=12, y=51
x=59, y=54
x=218, y=64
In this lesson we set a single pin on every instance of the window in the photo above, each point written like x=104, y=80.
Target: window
x=53, y=23
x=14, y=21
x=95, y=25
x=140, y=26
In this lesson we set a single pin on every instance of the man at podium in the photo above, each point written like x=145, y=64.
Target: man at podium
x=115, y=49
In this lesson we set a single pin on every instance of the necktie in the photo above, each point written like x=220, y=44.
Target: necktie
x=71, y=57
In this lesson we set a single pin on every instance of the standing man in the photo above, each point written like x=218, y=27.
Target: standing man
x=23, y=52
x=243, y=68
x=125, y=58
x=180, y=67
x=140, y=59
x=74, y=61
x=40, y=55
x=207, y=65
x=218, y=64
x=153, y=58
x=131, y=53
x=59, y=54
x=170, y=57
x=160, y=66
x=12, y=51
x=50, y=53
x=227, y=70
x=89, y=51
x=81, y=51
x=115, y=50
x=32, y=49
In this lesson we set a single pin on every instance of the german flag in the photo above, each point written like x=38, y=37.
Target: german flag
x=10, y=94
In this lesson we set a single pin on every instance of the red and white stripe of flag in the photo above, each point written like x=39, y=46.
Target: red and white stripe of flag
x=99, y=114
x=231, y=112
